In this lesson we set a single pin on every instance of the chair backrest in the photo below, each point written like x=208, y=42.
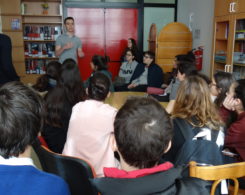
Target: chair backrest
x=76, y=172
x=218, y=173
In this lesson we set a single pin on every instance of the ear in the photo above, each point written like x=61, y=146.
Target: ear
x=113, y=143
x=168, y=148
x=109, y=94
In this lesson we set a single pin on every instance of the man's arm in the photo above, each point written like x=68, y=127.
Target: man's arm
x=80, y=52
x=59, y=50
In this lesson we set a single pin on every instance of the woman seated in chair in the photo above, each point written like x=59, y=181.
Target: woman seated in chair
x=195, y=118
x=126, y=71
x=91, y=127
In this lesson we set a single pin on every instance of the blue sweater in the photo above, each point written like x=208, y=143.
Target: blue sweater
x=27, y=180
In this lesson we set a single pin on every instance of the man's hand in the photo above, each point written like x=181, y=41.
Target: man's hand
x=130, y=86
x=68, y=45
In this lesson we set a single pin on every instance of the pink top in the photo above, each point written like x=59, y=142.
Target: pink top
x=89, y=134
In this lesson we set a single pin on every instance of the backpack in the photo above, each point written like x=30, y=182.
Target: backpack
x=197, y=147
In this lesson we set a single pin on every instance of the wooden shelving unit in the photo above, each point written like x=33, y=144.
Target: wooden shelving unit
x=229, y=38
x=40, y=30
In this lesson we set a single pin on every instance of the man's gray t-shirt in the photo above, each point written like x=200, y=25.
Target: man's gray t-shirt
x=68, y=53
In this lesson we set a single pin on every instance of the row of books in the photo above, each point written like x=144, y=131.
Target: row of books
x=39, y=49
x=35, y=32
x=239, y=72
x=36, y=66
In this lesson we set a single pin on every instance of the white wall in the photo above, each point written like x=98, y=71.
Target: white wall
x=203, y=15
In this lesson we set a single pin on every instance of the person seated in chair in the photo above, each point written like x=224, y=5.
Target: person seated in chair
x=20, y=122
x=146, y=75
x=143, y=132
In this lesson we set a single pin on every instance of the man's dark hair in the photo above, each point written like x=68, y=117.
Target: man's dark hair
x=150, y=54
x=20, y=118
x=187, y=68
x=142, y=130
x=98, y=87
x=68, y=18
x=240, y=91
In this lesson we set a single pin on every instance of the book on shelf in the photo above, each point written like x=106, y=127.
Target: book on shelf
x=34, y=32
x=40, y=50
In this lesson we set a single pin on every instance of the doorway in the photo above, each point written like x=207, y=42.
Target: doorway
x=104, y=31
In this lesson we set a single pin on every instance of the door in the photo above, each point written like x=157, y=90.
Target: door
x=104, y=32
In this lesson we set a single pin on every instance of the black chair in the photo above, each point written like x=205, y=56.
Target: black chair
x=76, y=172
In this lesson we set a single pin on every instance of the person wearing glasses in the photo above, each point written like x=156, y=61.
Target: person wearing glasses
x=146, y=75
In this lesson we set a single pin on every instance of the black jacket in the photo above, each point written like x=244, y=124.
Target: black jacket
x=155, y=74
x=7, y=71
x=162, y=183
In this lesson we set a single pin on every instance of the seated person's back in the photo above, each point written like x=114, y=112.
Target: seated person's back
x=20, y=122
x=143, y=132
x=91, y=127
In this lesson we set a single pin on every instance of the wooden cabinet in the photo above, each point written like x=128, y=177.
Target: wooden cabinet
x=224, y=7
x=42, y=24
x=229, y=43
x=240, y=6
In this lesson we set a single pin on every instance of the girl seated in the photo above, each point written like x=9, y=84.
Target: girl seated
x=126, y=70
x=91, y=127
x=195, y=118
x=99, y=64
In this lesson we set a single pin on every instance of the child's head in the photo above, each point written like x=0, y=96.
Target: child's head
x=143, y=132
x=130, y=55
x=98, y=63
x=193, y=101
x=237, y=91
x=53, y=69
x=98, y=88
x=185, y=69
x=221, y=83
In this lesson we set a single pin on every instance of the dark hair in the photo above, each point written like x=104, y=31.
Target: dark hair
x=223, y=82
x=150, y=54
x=100, y=62
x=240, y=91
x=69, y=61
x=187, y=68
x=134, y=45
x=142, y=130
x=189, y=57
x=52, y=72
x=205, y=78
x=68, y=18
x=99, y=85
x=20, y=118
x=60, y=100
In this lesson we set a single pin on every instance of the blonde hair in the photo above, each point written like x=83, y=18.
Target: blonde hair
x=193, y=103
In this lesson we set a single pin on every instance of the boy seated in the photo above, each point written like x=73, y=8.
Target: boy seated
x=143, y=132
x=20, y=122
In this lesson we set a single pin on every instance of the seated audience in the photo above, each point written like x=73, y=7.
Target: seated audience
x=126, y=70
x=7, y=71
x=20, y=122
x=235, y=135
x=195, y=118
x=132, y=46
x=99, y=64
x=49, y=80
x=220, y=85
x=91, y=127
x=58, y=106
x=143, y=132
x=146, y=75
x=184, y=69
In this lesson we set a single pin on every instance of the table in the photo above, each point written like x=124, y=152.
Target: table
x=117, y=99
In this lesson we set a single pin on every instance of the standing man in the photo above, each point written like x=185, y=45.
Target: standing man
x=7, y=71
x=67, y=44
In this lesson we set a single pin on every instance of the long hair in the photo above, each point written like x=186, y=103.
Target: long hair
x=193, y=103
x=69, y=91
x=99, y=62
x=223, y=82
